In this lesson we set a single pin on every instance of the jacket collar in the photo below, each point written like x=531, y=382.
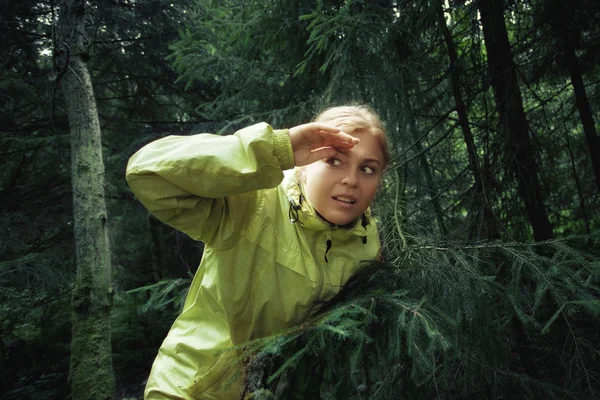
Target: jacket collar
x=303, y=212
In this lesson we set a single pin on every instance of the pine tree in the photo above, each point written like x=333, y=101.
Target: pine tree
x=91, y=371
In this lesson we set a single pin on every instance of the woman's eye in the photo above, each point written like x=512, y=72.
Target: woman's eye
x=368, y=170
x=334, y=162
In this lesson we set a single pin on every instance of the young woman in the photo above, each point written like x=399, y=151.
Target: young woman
x=275, y=248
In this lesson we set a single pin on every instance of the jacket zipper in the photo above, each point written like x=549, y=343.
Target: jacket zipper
x=321, y=278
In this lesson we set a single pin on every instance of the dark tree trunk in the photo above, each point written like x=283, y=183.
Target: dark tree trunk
x=514, y=126
x=579, y=186
x=513, y=122
x=488, y=226
x=159, y=248
x=91, y=372
x=562, y=21
x=433, y=194
x=425, y=169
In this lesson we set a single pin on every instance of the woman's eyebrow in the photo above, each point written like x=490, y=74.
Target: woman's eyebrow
x=347, y=152
x=372, y=160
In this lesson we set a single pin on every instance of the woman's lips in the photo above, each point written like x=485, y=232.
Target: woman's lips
x=345, y=201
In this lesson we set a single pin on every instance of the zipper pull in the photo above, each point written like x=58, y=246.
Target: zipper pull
x=327, y=250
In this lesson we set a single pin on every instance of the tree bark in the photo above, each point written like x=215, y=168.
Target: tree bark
x=488, y=228
x=159, y=248
x=561, y=16
x=514, y=125
x=513, y=122
x=433, y=194
x=91, y=373
x=425, y=168
x=578, y=185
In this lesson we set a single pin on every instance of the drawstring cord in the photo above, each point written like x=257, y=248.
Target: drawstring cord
x=294, y=208
x=293, y=211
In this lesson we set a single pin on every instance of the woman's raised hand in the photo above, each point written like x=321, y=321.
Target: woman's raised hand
x=316, y=141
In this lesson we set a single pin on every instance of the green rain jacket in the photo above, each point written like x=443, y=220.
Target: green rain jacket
x=269, y=261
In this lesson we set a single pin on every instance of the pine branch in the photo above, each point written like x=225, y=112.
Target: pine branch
x=437, y=319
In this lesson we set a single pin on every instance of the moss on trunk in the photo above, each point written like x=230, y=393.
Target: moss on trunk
x=91, y=356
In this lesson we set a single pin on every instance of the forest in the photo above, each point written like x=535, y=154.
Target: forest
x=489, y=211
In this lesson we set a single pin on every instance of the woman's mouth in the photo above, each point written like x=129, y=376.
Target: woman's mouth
x=345, y=199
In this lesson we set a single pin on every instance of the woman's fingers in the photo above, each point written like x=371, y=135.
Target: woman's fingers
x=338, y=137
x=339, y=145
x=316, y=141
x=319, y=126
x=323, y=152
x=328, y=133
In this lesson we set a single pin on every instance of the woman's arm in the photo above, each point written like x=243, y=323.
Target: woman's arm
x=207, y=184
x=200, y=183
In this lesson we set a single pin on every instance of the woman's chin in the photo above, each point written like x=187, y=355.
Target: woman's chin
x=338, y=220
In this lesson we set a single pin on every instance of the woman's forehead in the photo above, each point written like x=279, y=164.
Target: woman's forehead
x=368, y=149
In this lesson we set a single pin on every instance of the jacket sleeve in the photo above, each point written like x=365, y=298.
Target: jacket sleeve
x=206, y=185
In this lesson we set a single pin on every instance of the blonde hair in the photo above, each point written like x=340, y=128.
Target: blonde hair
x=352, y=118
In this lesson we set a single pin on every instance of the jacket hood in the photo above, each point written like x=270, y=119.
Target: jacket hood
x=303, y=212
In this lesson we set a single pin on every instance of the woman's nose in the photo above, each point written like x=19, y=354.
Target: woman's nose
x=350, y=179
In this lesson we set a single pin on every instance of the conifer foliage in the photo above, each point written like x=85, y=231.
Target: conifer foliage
x=437, y=324
x=466, y=305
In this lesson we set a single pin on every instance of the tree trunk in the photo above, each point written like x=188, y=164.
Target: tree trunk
x=433, y=194
x=488, y=226
x=91, y=372
x=578, y=185
x=159, y=248
x=513, y=122
x=425, y=168
x=514, y=125
x=562, y=19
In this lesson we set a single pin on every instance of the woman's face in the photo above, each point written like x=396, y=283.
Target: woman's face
x=342, y=187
